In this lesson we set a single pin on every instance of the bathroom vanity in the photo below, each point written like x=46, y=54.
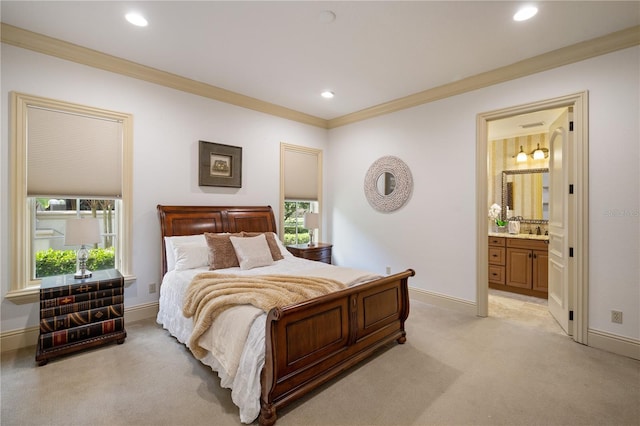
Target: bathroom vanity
x=519, y=263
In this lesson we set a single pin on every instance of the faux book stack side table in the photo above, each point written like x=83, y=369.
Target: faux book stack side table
x=77, y=314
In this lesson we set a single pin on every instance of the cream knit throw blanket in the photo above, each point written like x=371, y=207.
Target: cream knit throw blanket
x=210, y=293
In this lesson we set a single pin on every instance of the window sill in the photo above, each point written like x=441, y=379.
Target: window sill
x=24, y=295
x=32, y=294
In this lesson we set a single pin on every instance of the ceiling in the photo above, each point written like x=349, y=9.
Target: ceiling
x=286, y=53
x=524, y=124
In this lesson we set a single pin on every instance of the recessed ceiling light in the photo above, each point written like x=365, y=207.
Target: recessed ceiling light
x=136, y=19
x=326, y=16
x=525, y=12
x=327, y=94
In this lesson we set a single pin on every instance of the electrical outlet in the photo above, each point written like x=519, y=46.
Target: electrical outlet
x=388, y=270
x=152, y=288
x=616, y=316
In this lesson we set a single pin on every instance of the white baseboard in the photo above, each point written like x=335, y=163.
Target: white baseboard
x=141, y=312
x=443, y=301
x=613, y=343
x=17, y=339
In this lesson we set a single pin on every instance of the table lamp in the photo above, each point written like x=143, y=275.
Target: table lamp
x=81, y=232
x=311, y=222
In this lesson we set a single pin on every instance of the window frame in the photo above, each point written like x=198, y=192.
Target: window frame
x=23, y=289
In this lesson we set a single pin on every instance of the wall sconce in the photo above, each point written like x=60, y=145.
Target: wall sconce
x=540, y=153
x=536, y=154
x=311, y=222
x=81, y=232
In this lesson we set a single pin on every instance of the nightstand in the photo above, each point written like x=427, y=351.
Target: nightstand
x=76, y=314
x=319, y=251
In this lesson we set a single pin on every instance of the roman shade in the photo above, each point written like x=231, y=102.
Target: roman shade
x=73, y=155
x=301, y=175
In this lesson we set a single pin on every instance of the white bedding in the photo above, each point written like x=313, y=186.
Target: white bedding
x=236, y=338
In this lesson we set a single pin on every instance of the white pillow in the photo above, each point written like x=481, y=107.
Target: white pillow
x=170, y=241
x=190, y=255
x=252, y=251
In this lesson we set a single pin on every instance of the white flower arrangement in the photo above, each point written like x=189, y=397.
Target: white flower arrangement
x=494, y=214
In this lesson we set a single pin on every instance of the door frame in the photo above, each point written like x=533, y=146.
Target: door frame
x=579, y=278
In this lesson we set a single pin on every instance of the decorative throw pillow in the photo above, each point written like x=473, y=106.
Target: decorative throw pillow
x=221, y=252
x=252, y=251
x=272, y=241
x=169, y=243
x=190, y=255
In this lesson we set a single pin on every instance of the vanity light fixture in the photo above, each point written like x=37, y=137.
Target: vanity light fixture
x=525, y=12
x=327, y=94
x=136, y=19
x=536, y=154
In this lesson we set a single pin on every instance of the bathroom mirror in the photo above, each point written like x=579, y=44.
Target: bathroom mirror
x=388, y=184
x=525, y=193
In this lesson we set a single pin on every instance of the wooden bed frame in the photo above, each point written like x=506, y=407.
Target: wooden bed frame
x=308, y=343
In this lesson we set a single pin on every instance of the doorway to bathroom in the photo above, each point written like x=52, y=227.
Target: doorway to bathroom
x=565, y=142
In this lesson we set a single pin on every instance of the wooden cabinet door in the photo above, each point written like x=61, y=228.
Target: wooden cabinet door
x=519, y=263
x=540, y=270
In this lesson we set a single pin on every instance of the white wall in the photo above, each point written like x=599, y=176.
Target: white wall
x=167, y=127
x=435, y=232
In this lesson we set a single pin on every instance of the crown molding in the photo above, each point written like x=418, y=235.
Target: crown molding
x=577, y=52
x=567, y=55
x=61, y=49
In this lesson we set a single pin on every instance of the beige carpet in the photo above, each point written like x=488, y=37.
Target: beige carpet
x=453, y=370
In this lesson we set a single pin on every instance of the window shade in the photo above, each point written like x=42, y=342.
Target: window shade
x=300, y=175
x=71, y=155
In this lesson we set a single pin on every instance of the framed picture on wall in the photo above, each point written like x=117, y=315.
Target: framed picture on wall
x=219, y=165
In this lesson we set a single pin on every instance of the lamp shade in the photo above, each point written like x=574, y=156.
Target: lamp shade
x=538, y=154
x=311, y=220
x=82, y=231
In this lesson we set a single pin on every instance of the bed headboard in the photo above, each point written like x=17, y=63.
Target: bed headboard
x=191, y=220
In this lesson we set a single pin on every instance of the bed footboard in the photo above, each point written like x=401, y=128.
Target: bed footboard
x=310, y=343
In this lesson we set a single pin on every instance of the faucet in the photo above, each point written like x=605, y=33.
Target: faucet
x=538, y=231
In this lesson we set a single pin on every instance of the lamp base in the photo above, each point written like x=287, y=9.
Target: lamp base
x=82, y=273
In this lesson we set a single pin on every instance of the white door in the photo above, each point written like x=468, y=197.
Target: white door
x=560, y=297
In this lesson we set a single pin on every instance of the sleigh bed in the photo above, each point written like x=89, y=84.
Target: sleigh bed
x=296, y=347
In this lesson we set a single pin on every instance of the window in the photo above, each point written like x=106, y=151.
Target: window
x=49, y=254
x=67, y=160
x=294, y=230
x=301, y=190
